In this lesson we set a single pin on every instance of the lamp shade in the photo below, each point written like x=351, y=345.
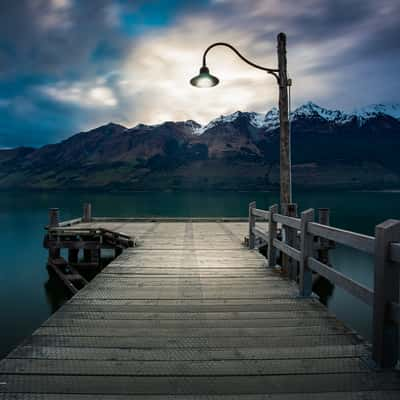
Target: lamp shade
x=204, y=79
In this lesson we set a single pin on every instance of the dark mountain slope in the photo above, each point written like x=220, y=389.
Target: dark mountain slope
x=238, y=151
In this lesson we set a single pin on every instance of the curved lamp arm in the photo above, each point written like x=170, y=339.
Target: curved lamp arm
x=268, y=70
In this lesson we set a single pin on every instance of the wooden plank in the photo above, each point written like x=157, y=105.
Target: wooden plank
x=209, y=316
x=351, y=239
x=259, y=233
x=192, y=354
x=70, y=222
x=182, y=368
x=342, y=395
x=362, y=292
x=287, y=221
x=227, y=385
x=285, y=248
x=193, y=332
x=182, y=342
x=177, y=324
x=260, y=213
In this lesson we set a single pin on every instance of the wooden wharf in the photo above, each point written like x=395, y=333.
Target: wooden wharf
x=190, y=309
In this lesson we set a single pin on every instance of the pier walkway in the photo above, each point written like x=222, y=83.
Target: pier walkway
x=192, y=313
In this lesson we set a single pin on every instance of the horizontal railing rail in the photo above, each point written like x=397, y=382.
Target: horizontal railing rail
x=357, y=241
x=304, y=245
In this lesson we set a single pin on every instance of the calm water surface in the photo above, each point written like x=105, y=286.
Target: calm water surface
x=28, y=296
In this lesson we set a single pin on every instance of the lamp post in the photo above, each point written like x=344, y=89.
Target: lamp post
x=206, y=80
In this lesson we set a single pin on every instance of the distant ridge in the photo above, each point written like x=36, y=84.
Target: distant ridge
x=330, y=149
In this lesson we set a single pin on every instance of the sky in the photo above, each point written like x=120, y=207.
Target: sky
x=70, y=65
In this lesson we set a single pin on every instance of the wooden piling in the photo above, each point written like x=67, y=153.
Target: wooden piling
x=252, y=225
x=272, y=230
x=87, y=212
x=306, y=250
x=385, y=335
x=324, y=245
x=73, y=255
x=54, y=221
x=291, y=235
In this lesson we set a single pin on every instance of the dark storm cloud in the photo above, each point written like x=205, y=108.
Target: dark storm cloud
x=55, y=36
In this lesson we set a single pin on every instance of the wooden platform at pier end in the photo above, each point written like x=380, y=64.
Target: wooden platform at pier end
x=190, y=314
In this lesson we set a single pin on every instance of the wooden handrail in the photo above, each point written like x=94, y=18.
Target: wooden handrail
x=395, y=252
x=285, y=248
x=351, y=239
x=384, y=246
x=287, y=221
x=260, y=213
x=356, y=289
x=259, y=233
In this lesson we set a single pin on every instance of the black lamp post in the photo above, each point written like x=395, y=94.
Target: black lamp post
x=206, y=80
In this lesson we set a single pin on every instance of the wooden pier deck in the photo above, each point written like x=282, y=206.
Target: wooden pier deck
x=192, y=313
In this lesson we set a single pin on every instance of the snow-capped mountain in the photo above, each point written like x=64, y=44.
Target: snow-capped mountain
x=309, y=111
x=330, y=149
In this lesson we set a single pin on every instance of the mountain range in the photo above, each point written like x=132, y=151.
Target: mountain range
x=330, y=149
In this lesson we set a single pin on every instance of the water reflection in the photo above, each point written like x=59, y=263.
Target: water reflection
x=56, y=292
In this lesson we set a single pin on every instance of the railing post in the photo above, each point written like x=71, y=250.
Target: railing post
x=306, y=250
x=323, y=252
x=272, y=228
x=385, y=335
x=87, y=212
x=252, y=224
x=291, y=241
x=54, y=217
x=54, y=220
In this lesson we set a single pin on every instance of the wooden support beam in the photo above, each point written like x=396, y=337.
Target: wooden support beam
x=252, y=224
x=272, y=228
x=291, y=234
x=54, y=221
x=73, y=255
x=87, y=212
x=118, y=251
x=385, y=331
x=324, y=245
x=306, y=251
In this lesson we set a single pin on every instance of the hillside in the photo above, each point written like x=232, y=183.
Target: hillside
x=330, y=149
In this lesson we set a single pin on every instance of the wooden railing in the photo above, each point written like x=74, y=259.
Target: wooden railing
x=299, y=240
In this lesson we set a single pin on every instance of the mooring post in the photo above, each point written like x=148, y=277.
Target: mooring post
x=272, y=230
x=54, y=217
x=291, y=234
x=306, y=251
x=87, y=212
x=323, y=251
x=54, y=221
x=252, y=225
x=385, y=334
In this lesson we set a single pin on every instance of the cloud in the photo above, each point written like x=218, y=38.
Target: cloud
x=56, y=37
x=329, y=45
x=84, y=63
x=82, y=94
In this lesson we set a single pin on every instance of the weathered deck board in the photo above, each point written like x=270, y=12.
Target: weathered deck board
x=191, y=314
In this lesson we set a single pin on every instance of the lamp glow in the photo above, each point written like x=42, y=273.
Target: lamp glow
x=204, y=79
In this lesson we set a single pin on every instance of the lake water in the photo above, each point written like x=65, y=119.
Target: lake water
x=28, y=296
